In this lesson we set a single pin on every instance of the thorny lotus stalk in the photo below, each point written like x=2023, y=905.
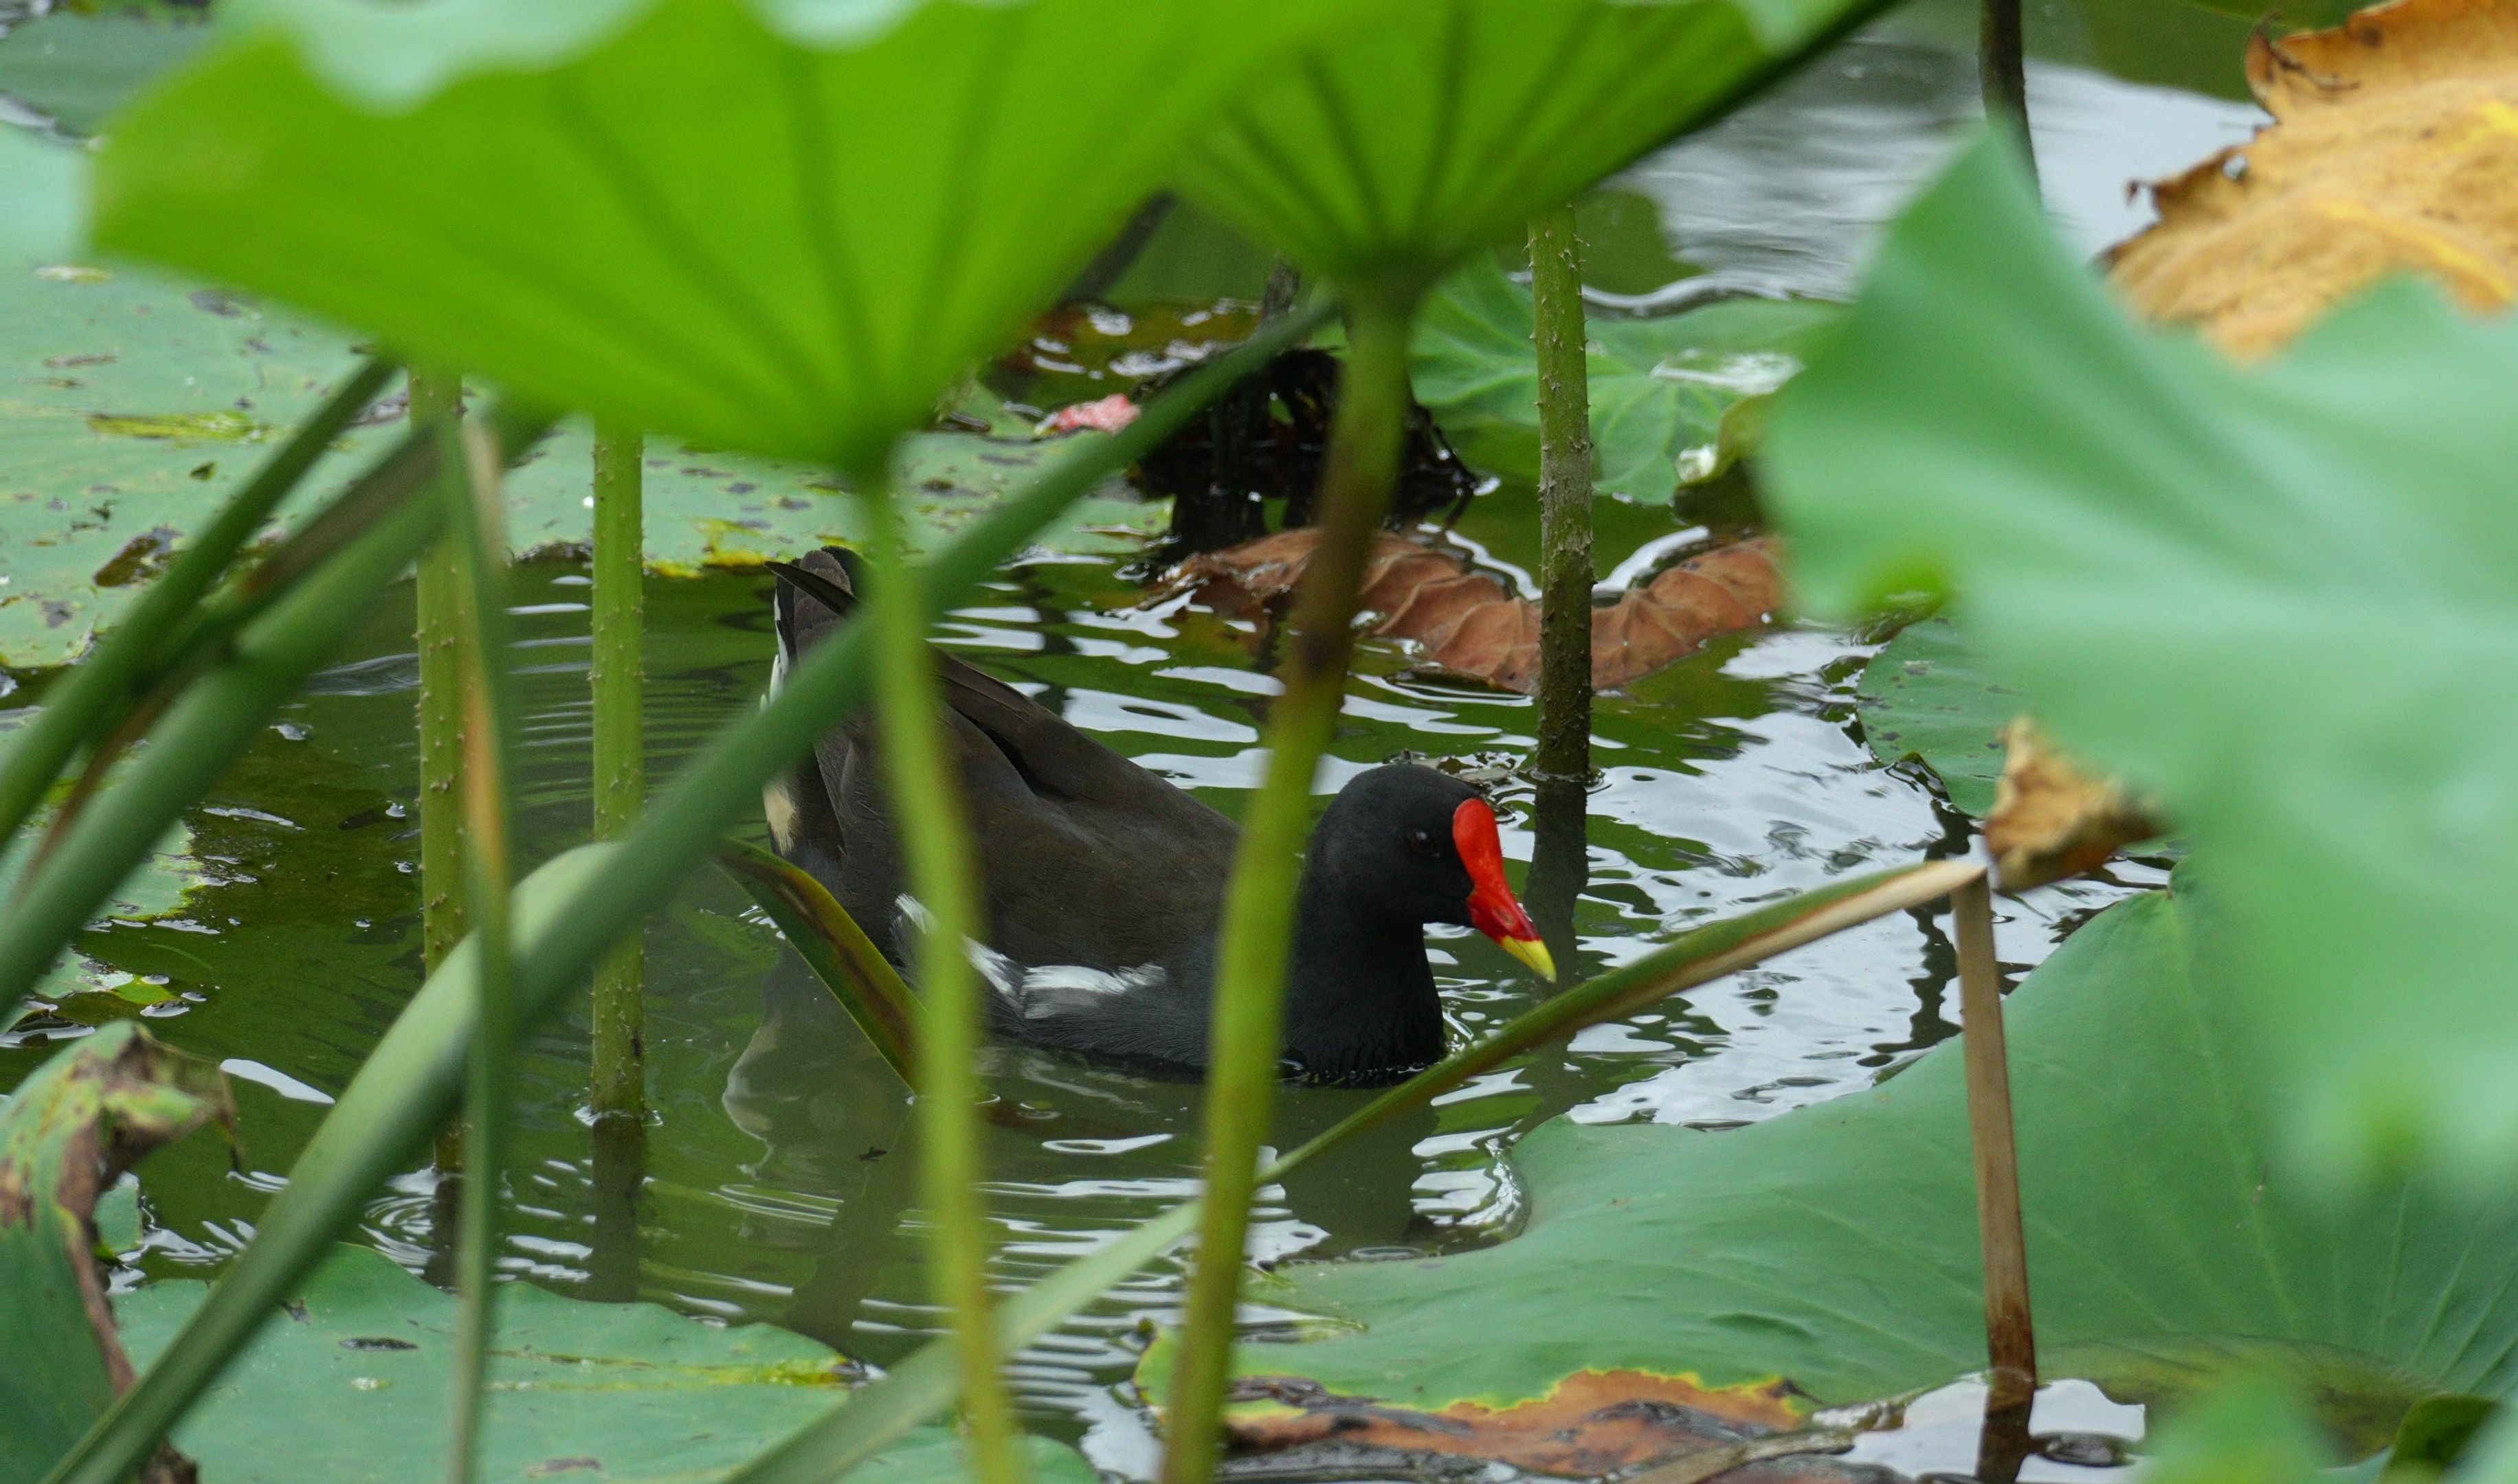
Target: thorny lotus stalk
x=617, y=674
x=476, y=534
x=437, y=397
x=1562, y=764
x=1247, y=1028
x=935, y=844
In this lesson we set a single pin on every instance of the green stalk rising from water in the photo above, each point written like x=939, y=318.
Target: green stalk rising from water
x=1247, y=1030
x=1562, y=763
x=442, y=921
x=617, y=674
x=935, y=844
x=476, y=535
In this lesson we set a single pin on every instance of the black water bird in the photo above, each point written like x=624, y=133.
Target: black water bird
x=1103, y=883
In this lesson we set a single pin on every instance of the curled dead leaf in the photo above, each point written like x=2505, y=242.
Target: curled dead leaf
x=1593, y=1423
x=2050, y=818
x=2394, y=148
x=67, y=1135
x=1470, y=623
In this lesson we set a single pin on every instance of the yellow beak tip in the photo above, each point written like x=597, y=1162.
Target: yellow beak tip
x=1534, y=952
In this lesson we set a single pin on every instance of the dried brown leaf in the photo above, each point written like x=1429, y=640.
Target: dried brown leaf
x=2051, y=819
x=2394, y=148
x=1469, y=623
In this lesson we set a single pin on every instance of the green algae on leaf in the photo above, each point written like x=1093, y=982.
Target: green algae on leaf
x=66, y=1135
x=2274, y=599
x=1834, y=1246
x=915, y=179
x=350, y=1386
x=1659, y=389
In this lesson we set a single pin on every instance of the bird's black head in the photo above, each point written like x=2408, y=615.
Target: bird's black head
x=1405, y=843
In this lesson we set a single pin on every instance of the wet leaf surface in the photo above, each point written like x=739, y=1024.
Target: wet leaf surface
x=2393, y=149
x=1469, y=623
x=349, y=1382
x=88, y=1115
x=1660, y=388
x=1927, y=697
x=1833, y=1246
x=131, y=405
x=76, y=67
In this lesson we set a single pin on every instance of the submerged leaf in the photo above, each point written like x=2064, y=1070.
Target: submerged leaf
x=2279, y=600
x=2394, y=148
x=1469, y=623
x=67, y=1134
x=351, y=1387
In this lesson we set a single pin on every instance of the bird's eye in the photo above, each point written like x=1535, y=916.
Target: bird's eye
x=1421, y=843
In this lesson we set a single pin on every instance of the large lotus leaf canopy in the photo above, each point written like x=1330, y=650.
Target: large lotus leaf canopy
x=784, y=226
x=1386, y=153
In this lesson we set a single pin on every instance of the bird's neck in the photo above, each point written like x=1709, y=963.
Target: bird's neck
x=1360, y=996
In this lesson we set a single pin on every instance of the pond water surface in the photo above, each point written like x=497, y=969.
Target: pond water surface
x=780, y=1162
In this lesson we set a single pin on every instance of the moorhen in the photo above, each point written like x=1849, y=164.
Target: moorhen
x=1103, y=883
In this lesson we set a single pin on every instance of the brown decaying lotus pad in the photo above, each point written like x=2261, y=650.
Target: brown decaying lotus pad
x=1594, y=1422
x=2394, y=149
x=1470, y=623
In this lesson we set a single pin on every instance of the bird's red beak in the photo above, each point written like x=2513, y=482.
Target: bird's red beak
x=1493, y=911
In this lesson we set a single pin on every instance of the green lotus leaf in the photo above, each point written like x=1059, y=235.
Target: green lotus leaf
x=785, y=228
x=351, y=1385
x=1658, y=388
x=1925, y=695
x=1834, y=1248
x=77, y=67
x=1381, y=156
x=2275, y=599
x=132, y=406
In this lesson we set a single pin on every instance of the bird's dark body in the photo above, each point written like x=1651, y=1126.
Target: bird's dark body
x=1103, y=883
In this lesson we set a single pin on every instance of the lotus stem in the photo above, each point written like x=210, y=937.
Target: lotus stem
x=1562, y=764
x=1246, y=1030
x=617, y=675
x=83, y=707
x=2009, y=1338
x=935, y=844
x=2003, y=68
x=435, y=397
x=477, y=536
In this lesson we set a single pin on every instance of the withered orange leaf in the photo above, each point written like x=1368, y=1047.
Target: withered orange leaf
x=1469, y=623
x=2051, y=818
x=1593, y=1423
x=2394, y=148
